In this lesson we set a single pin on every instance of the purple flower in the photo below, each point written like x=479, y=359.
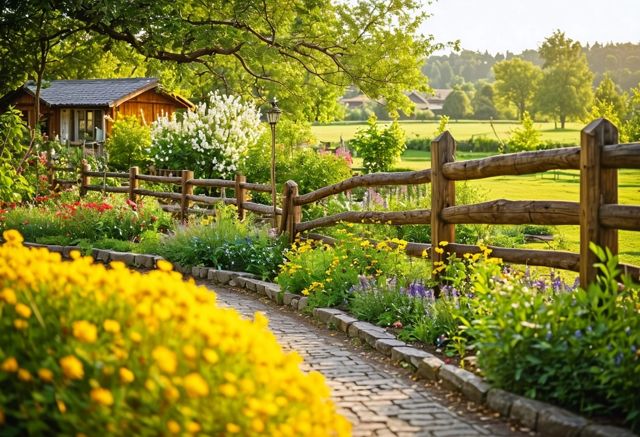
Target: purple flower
x=578, y=334
x=618, y=359
x=548, y=336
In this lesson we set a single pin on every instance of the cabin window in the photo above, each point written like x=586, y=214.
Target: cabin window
x=89, y=125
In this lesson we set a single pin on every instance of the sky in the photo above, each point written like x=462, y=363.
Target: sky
x=516, y=25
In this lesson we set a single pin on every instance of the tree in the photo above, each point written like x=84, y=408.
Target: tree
x=293, y=49
x=457, y=105
x=607, y=92
x=483, y=105
x=517, y=82
x=631, y=125
x=565, y=89
x=379, y=148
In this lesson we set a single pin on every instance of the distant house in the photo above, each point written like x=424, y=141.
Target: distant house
x=79, y=111
x=423, y=101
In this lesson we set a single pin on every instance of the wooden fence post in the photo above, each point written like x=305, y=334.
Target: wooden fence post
x=294, y=213
x=598, y=187
x=187, y=190
x=134, y=184
x=241, y=195
x=443, y=194
x=286, y=203
x=50, y=171
x=85, y=180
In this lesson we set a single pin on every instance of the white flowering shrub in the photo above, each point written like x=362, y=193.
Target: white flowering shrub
x=210, y=140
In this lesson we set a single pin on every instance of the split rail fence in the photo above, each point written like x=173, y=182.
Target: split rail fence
x=598, y=213
x=185, y=198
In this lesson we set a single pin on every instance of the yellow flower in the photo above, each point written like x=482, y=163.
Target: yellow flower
x=101, y=396
x=111, y=326
x=72, y=367
x=23, y=310
x=210, y=356
x=257, y=425
x=24, y=375
x=444, y=243
x=10, y=365
x=135, y=337
x=84, y=331
x=12, y=237
x=171, y=393
x=20, y=324
x=438, y=250
x=9, y=296
x=173, y=427
x=61, y=406
x=193, y=427
x=232, y=428
x=164, y=266
x=126, y=375
x=195, y=385
x=189, y=352
x=165, y=359
x=228, y=390
x=45, y=374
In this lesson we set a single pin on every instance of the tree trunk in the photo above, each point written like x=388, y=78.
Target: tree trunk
x=563, y=119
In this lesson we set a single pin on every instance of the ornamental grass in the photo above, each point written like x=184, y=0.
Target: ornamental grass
x=87, y=349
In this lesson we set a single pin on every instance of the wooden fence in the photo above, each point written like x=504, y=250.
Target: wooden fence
x=598, y=213
x=182, y=200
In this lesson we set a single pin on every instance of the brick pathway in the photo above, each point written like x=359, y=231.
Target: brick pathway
x=378, y=399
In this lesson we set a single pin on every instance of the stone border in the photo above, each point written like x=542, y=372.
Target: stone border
x=535, y=415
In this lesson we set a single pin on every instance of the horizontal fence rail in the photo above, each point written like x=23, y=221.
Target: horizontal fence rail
x=184, y=200
x=369, y=180
x=598, y=213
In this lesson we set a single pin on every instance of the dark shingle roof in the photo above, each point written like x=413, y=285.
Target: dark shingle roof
x=91, y=92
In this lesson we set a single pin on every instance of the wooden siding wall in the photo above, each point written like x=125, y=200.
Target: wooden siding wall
x=147, y=106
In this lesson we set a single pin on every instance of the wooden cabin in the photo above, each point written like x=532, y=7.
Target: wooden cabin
x=79, y=111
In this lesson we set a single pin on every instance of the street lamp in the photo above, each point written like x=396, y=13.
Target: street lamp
x=273, y=115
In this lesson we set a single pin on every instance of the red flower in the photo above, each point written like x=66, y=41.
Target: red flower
x=132, y=204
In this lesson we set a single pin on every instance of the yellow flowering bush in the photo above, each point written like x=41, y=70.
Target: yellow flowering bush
x=327, y=273
x=104, y=351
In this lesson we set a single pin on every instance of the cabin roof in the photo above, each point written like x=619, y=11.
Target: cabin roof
x=96, y=92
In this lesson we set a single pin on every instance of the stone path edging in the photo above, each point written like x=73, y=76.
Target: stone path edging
x=542, y=417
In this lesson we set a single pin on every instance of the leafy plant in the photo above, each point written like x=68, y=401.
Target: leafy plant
x=129, y=142
x=379, y=148
x=578, y=349
x=525, y=137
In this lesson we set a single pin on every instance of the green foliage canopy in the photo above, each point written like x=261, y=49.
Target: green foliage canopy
x=516, y=82
x=305, y=51
x=565, y=89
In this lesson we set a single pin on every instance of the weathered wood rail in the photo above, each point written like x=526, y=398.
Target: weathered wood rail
x=598, y=213
x=185, y=198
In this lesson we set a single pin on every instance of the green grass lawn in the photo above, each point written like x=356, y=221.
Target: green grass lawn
x=461, y=130
x=552, y=185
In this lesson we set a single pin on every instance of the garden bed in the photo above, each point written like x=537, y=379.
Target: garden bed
x=539, y=416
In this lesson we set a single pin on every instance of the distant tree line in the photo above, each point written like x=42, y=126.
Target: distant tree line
x=621, y=61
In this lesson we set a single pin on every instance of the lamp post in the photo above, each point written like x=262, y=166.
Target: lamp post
x=273, y=115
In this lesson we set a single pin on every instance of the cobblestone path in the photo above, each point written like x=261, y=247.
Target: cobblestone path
x=377, y=398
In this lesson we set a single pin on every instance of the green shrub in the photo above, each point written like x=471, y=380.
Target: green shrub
x=423, y=144
x=525, y=137
x=129, y=142
x=379, y=148
x=577, y=349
